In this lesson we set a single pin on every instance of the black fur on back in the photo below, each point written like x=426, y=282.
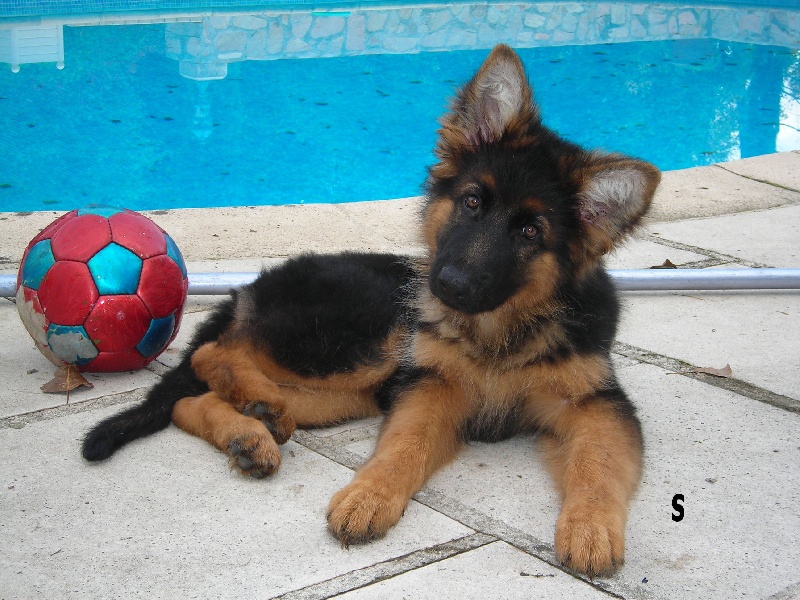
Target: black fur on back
x=315, y=314
x=324, y=314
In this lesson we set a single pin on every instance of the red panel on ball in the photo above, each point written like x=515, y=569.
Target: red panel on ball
x=111, y=362
x=49, y=231
x=162, y=286
x=81, y=238
x=67, y=293
x=138, y=234
x=117, y=323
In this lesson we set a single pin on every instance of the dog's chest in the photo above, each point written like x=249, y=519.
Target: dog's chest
x=499, y=406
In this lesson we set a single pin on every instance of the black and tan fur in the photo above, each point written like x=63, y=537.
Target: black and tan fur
x=504, y=327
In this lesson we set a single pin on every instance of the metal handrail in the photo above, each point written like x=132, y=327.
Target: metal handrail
x=628, y=280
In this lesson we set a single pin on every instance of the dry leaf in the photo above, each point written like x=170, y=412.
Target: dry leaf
x=723, y=372
x=66, y=379
x=667, y=264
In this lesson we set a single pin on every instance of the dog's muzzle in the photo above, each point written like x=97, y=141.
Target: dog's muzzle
x=461, y=290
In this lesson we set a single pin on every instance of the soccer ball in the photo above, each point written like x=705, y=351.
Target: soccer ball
x=102, y=288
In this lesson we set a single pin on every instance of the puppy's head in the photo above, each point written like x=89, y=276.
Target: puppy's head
x=514, y=210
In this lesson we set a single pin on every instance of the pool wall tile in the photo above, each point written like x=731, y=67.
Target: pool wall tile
x=206, y=41
x=304, y=33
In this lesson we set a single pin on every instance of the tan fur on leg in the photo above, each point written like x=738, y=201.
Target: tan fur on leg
x=247, y=440
x=423, y=433
x=595, y=458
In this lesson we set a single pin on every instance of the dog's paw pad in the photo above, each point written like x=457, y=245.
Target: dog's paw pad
x=256, y=456
x=279, y=422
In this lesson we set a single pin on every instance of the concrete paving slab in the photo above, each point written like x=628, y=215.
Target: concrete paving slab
x=735, y=462
x=496, y=570
x=643, y=254
x=241, y=265
x=269, y=231
x=18, y=230
x=248, y=232
x=157, y=526
x=781, y=169
x=359, y=429
x=25, y=370
x=397, y=221
x=732, y=458
x=165, y=518
x=769, y=237
x=756, y=333
x=709, y=191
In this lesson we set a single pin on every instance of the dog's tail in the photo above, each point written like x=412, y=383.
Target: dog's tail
x=152, y=415
x=155, y=413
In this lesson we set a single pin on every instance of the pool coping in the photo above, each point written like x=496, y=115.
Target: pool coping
x=223, y=236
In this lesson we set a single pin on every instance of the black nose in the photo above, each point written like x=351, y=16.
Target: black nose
x=454, y=285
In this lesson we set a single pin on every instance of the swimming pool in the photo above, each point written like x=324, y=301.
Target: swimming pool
x=164, y=110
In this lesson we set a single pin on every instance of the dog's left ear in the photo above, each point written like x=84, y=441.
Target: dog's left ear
x=615, y=193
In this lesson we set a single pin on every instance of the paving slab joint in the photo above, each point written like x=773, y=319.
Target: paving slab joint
x=712, y=255
x=675, y=366
x=387, y=569
x=20, y=420
x=790, y=593
x=329, y=448
x=764, y=181
x=615, y=587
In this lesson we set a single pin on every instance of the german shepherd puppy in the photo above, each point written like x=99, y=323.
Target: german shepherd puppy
x=504, y=327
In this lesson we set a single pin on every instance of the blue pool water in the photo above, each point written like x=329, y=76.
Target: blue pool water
x=119, y=124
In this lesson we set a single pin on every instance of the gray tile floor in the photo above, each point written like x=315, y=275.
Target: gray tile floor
x=166, y=518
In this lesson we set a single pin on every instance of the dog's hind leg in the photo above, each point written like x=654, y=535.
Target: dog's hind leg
x=255, y=404
x=230, y=370
x=246, y=440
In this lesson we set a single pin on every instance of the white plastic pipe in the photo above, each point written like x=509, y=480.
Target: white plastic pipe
x=205, y=284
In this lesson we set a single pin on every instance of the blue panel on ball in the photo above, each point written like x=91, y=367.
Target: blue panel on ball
x=157, y=336
x=38, y=261
x=71, y=344
x=104, y=210
x=115, y=270
x=175, y=254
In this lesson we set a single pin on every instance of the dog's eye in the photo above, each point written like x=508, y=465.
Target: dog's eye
x=472, y=202
x=530, y=231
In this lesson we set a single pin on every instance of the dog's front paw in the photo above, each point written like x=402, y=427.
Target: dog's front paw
x=590, y=540
x=363, y=511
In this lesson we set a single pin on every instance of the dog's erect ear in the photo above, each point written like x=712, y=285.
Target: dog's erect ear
x=496, y=97
x=615, y=192
x=497, y=100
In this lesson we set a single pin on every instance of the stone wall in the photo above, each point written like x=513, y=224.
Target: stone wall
x=207, y=46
